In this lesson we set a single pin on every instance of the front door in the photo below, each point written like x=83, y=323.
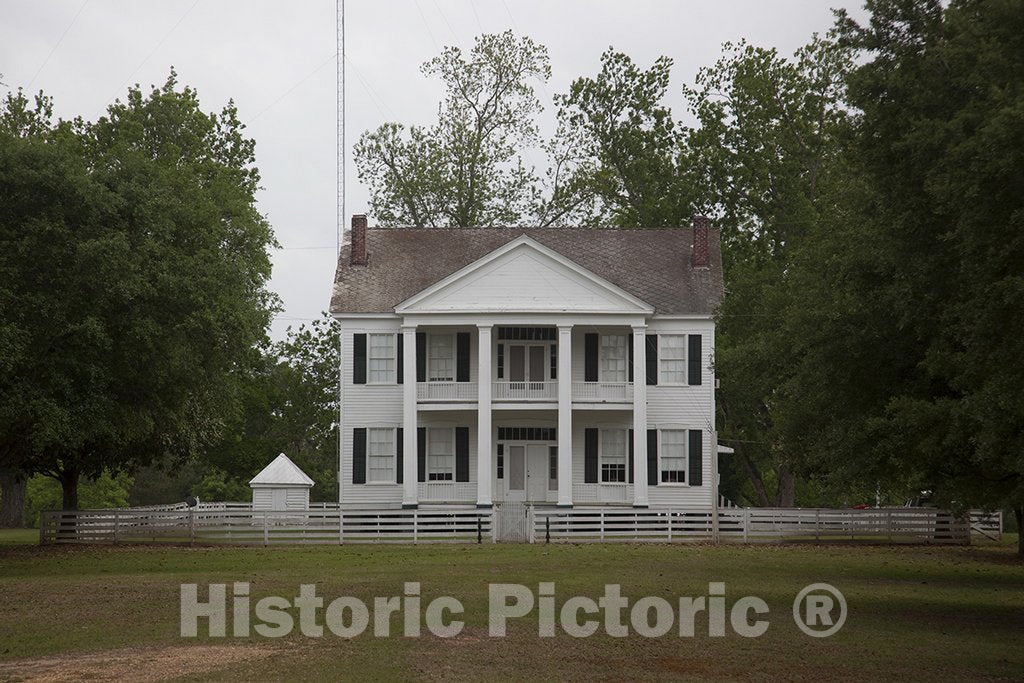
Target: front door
x=537, y=473
x=516, y=473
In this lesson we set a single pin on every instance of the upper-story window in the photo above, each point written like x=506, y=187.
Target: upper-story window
x=673, y=456
x=381, y=359
x=613, y=455
x=441, y=358
x=672, y=358
x=614, y=358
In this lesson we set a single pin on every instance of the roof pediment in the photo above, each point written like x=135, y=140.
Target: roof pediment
x=523, y=276
x=282, y=471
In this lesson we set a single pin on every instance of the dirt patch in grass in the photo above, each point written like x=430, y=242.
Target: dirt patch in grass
x=136, y=664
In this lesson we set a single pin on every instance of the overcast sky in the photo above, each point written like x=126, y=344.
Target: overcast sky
x=276, y=60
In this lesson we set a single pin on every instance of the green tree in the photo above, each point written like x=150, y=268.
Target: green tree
x=927, y=391
x=467, y=169
x=133, y=282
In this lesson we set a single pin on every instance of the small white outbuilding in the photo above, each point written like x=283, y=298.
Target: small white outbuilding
x=281, y=486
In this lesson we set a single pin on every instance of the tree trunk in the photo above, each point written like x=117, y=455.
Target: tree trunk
x=786, y=495
x=1018, y=512
x=755, y=478
x=13, y=487
x=69, y=486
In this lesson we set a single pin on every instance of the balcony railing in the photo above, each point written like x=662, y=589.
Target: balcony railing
x=602, y=392
x=446, y=391
x=525, y=391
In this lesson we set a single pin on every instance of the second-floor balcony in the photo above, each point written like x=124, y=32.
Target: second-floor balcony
x=524, y=392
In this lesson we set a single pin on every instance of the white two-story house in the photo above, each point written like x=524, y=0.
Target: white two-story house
x=554, y=366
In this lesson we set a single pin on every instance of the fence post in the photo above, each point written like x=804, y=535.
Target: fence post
x=117, y=524
x=602, y=525
x=415, y=526
x=341, y=527
x=746, y=523
x=479, y=530
x=888, y=523
x=547, y=528
x=817, y=524
x=191, y=526
x=266, y=527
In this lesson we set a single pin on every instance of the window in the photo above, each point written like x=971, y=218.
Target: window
x=613, y=358
x=552, y=468
x=673, y=456
x=380, y=456
x=440, y=360
x=527, y=434
x=440, y=454
x=382, y=359
x=501, y=461
x=613, y=455
x=672, y=358
x=501, y=361
x=554, y=361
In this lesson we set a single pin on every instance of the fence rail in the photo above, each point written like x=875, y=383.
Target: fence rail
x=237, y=523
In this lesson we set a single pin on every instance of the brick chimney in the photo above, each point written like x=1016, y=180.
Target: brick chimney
x=700, y=241
x=358, y=237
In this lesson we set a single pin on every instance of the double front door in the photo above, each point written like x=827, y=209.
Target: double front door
x=528, y=472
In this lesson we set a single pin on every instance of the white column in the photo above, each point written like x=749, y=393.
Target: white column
x=640, y=415
x=410, y=487
x=484, y=447
x=565, y=415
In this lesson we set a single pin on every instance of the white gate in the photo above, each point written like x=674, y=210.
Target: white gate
x=513, y=522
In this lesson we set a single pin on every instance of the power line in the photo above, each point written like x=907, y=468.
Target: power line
x=57, y=44
x=445, y=18
x=430, y=33
x=154, y=51
x=290, y=90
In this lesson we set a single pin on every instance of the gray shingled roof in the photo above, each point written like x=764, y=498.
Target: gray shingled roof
x=651, y=264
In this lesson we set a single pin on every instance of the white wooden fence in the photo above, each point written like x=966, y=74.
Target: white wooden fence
x=240, y=524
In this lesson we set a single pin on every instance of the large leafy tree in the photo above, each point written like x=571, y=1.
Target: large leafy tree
x=468, y=168
x=133, y=281
x=918, y=336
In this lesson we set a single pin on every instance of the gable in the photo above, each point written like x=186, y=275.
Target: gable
x=526, y=276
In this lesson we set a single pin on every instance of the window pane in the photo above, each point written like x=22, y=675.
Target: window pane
x=441, y=365
x=613, y=455
x=440, y=455
x=672, y=358
x=381, y=455
x=613, y=358
x=673, y=455
x=381, y=358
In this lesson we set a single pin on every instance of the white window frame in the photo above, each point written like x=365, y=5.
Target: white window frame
x=685, y=456
x=391, y=456
x=390, y=374
x=431, y=357
x=603, y=371
x=664, y=358
x=601, y=456
x=438, y=475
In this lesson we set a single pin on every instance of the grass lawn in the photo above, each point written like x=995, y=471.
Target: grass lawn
x=915, y=612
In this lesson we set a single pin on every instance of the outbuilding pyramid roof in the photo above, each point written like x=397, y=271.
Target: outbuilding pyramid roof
x=282, y=471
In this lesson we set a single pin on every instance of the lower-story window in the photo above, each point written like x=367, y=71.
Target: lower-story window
x=381, y=455
x=552, y=468
x=673, y=456
x=613, y=455
x=440, y=454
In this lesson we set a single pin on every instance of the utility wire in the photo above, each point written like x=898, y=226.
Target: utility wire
x=290, y=90
x=57, y=44
x=153, y=52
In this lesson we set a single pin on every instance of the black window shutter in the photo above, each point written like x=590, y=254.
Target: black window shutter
x=652, y=457
x=590, y=351
x=421, y=357
x=462, y=358
x=421, y=454
x=696, y=452
x=652, y=359
x=630, y=465
x=400, y=361
x=359, y=455
x=693, y=362
x=590, y=455
x=399, y=455
x=358, y=359
x=462, y=454
x=630, y=357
